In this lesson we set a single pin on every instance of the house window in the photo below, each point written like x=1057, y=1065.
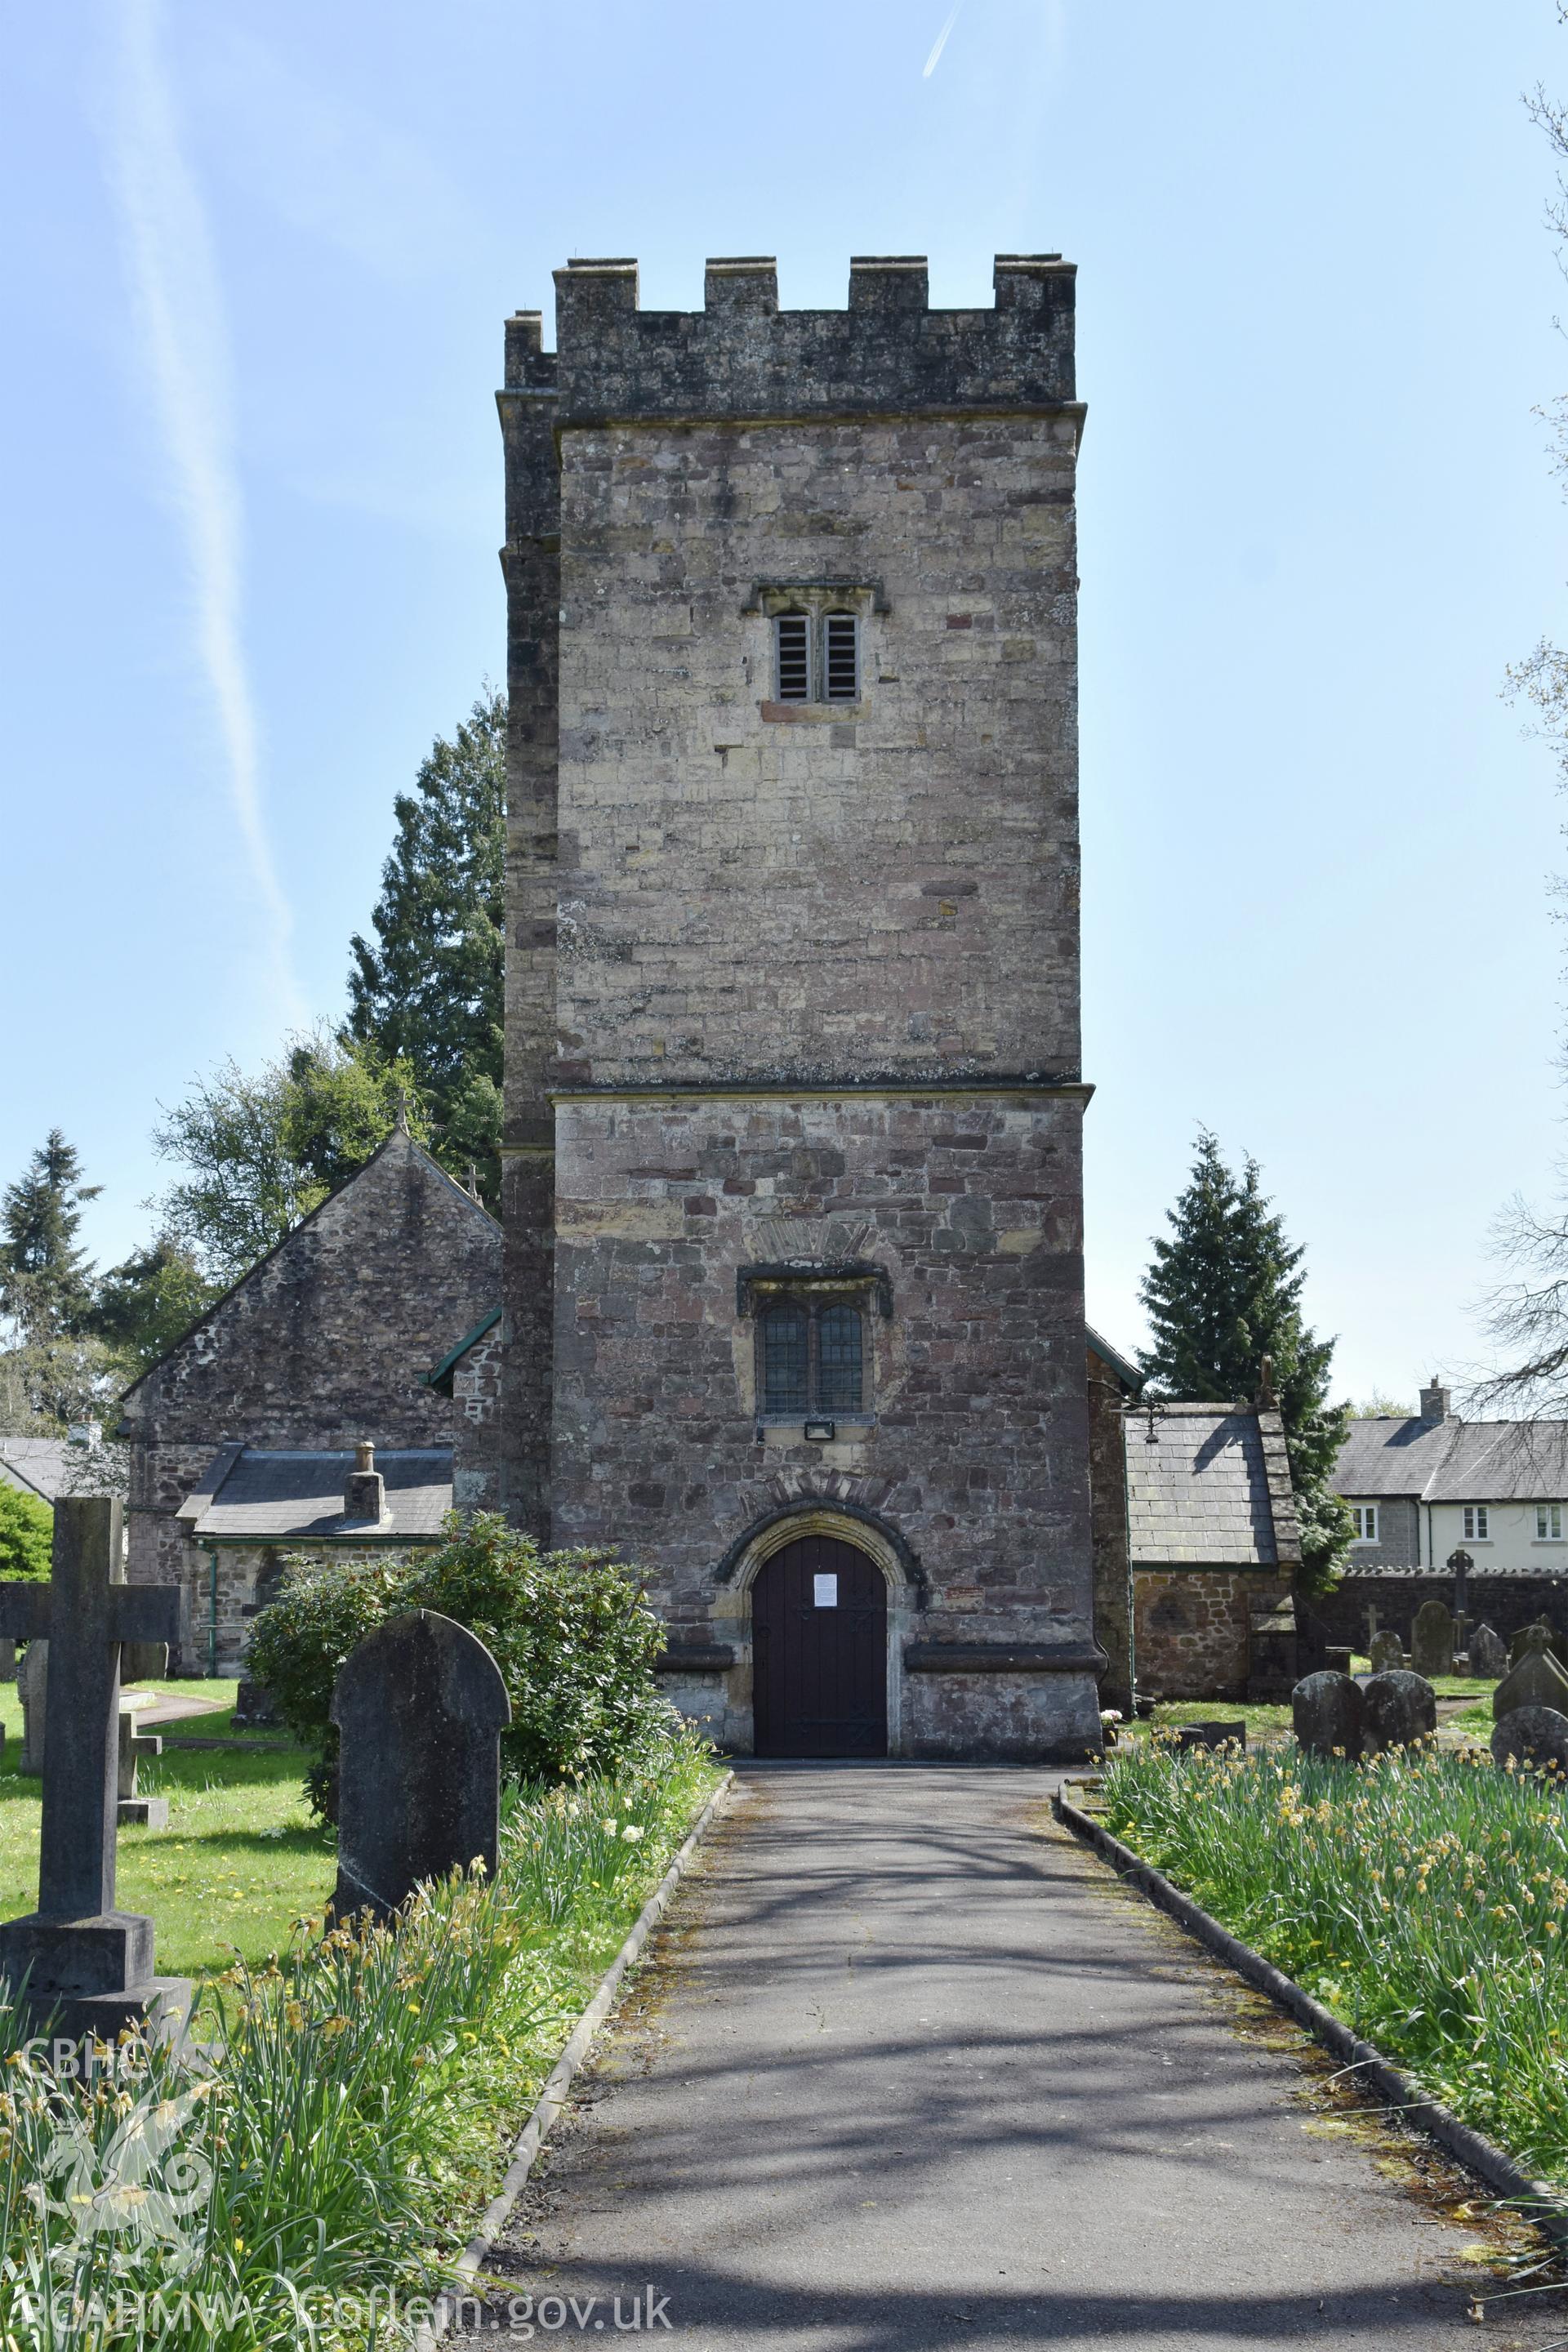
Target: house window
x=1477, y=1516
x=1364, y=1514
x=812, y=1355
x=816, y=656
x=1549, y=1523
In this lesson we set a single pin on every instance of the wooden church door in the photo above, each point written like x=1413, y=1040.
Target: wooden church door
x=819, y=1651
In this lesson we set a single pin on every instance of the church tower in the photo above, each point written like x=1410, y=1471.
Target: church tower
x=794, y=1193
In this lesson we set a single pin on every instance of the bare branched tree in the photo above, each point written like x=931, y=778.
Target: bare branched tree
x=1527, y=1315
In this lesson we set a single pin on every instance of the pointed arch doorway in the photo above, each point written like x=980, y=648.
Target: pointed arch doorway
x=819, y=1651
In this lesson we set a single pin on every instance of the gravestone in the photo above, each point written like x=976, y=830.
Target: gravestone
x=1536, y=1681
x=1541, y=1635
x=8, y=1660
x=32, y=1684
x=81, y=1961
x=1536, y=1736
x=1487, y=1657
x=1397, y=1710
x=149, y=1812
x=1432, y=1641
x=1387, y=1652
x=1210, y=1735
x=420, y=1706
x=1326, y=1715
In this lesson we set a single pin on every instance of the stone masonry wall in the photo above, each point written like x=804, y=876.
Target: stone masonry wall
x=1506, y=1603
x=816, y=963
x=1193, y=1628
x=977, y=1450
x=322, y=1344
x=1112, y=1565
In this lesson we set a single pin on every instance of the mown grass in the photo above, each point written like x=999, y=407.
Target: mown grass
x=239, y=1862
x=1423, y=1898
x=354, y=2115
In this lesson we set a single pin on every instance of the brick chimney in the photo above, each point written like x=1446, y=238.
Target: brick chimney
x=1434, y=1402
x=364, y=1490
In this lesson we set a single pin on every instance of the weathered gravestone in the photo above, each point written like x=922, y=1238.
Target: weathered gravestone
x=1432, y=1641
x=1326, y=1715
x=1541, y=1635
x=1191, y=1736
x=1396, y=1710
x=8, y=1660
x=151, y=1812
x=79, y=1958
x=1536, y=1736
x=32, y=1684
x=1487, y=1657
x=420, y=1706
x=1387, y=1652
x=1536, y=1681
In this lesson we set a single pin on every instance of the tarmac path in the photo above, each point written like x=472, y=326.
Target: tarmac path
x=908, y=2069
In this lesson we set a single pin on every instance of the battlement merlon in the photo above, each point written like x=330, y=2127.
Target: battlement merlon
x=740, y=356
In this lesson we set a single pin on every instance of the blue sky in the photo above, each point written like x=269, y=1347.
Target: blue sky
x=257, y=263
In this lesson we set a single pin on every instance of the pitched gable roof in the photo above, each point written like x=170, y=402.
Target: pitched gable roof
x=399, y=1141
x=1208, y=1485
x=1453, y=1461
x=254, y=1495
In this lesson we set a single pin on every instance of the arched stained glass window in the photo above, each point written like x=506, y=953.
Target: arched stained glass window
x=786, y=1357
x=838, y=1367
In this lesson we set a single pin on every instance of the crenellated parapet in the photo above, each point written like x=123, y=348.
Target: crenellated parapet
x=888, y=353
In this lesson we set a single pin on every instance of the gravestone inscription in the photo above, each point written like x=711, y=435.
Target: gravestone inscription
x=1397, y=1710
x=78, y=1956
x=420, y=1706
x=1432, y=1641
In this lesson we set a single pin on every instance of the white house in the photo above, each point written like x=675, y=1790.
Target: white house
x=1422, y=1487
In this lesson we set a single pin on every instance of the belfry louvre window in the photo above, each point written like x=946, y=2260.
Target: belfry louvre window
x=817, y=658
x=813, y=1357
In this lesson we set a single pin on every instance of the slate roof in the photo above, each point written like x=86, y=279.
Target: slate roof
x=252, y=1495
x=1453, y=1461
x=49, y=1468
x=1211, y=1490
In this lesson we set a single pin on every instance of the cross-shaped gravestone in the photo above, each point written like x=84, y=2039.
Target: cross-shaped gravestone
x=78, y=1953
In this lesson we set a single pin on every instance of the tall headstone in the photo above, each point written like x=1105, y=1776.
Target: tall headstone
x=1432, y=1641
x=1387, y=1652
x=1488, y=1656
x=32, y=1685
x=77, y=1955
x=8, y=1660
x=420, y=1706
x=1535, y=1735
x=1397, y=1710
x=1537, y=1680
x=1326, y=1715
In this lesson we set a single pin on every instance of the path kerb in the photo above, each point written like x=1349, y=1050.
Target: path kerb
x=552, y=2098
x=1544, y=2204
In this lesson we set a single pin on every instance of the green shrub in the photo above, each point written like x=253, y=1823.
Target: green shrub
x=571, y=1632
x=26, y=1533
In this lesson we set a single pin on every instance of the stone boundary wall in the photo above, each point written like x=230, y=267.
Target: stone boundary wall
x=1504, y=1602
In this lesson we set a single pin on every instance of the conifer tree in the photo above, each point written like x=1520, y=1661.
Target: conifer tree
x=429, y=990
x=1222, y=1293
x=45, y=1282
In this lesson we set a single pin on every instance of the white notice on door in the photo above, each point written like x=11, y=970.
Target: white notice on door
x=826, y=1591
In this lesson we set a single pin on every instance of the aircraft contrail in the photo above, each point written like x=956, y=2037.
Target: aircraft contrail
x=177, y=300
x=941, y=43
